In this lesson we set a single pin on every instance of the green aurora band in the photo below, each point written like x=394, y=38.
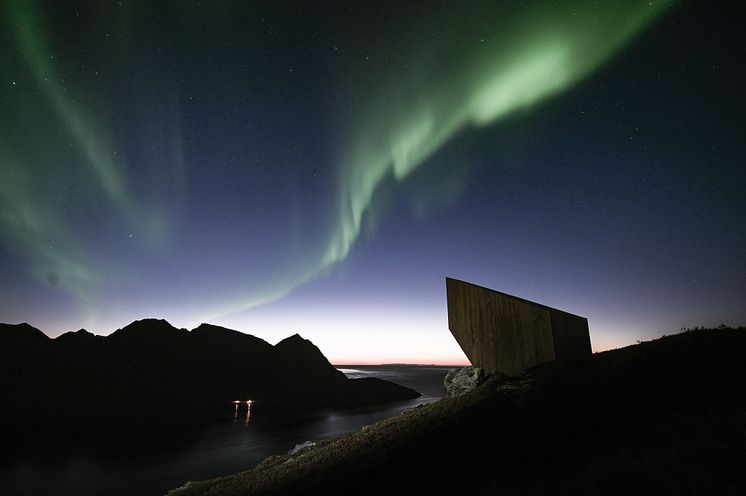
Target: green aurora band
x=473, y=77
x=32, y=224
x=429, y=79
x=35, y=212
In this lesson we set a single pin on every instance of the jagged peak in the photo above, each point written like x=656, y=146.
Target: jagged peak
x=22, y=329
x=225, y=335
x=80, y=334
x=297, y=344
x=205, y=327
x=295, y=339
x=22, y=325
x=150, y=326
x=152, y=322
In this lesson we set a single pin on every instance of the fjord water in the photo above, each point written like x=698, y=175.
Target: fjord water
x=230, y=444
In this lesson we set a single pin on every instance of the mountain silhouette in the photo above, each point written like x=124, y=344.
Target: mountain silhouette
x=150, y=367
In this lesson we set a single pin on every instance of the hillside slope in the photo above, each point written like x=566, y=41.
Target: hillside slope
x=662, y=417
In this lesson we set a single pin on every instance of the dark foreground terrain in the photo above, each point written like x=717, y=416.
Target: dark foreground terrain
x=84, y=389
x=661, y=417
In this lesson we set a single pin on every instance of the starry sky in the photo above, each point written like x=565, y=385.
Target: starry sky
x=321, y=167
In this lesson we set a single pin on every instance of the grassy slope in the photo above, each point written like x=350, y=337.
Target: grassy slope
x=662, y=417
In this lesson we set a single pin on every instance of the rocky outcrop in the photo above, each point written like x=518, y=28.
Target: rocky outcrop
x=302, y=447
x=461, y=381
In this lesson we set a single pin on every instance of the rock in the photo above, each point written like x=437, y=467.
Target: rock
x=272, y=460
x=185, y=487
x=288, y=457
x=517, y=385
x=301, y=447
x=461, y=381
x=413, y=408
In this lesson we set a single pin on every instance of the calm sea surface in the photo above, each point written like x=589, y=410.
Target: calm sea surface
x=231, y=444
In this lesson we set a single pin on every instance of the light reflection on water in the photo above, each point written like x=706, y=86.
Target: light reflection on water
x=218, y=449
x=249, y=404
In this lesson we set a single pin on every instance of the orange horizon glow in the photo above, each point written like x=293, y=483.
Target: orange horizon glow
x=384, y=363
x=602, y=346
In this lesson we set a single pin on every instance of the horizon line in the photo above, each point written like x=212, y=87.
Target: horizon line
x=381, y=364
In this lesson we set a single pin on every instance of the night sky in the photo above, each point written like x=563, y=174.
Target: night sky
x=321, y=167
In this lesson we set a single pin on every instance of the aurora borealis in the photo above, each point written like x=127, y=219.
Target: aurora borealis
x=281, y=167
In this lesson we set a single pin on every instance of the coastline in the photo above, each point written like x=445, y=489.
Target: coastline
x=664, y=417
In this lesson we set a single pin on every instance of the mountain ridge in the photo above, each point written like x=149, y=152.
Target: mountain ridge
x=145, y=368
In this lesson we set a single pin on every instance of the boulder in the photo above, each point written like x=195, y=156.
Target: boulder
x=301, y=447
x=461, y=381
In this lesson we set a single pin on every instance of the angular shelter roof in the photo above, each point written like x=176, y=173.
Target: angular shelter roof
x=503, y=333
